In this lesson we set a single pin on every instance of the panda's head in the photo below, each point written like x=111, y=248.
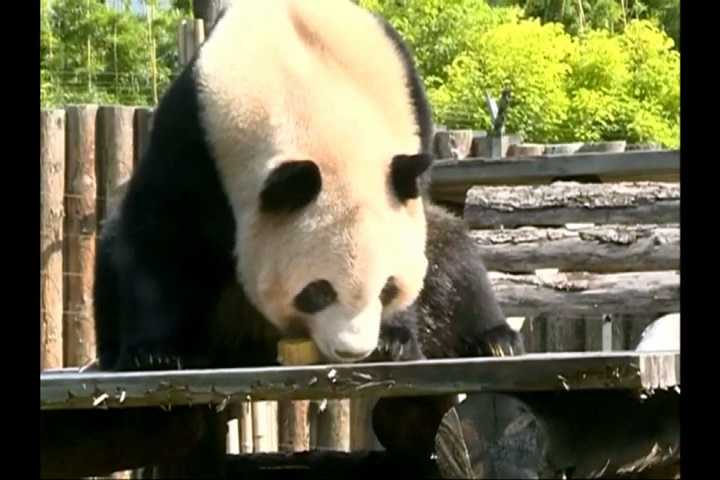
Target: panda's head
x=309, y=116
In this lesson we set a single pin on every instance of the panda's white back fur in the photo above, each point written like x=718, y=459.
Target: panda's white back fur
x=662, y=334
x=296, y=65
x=271, y=72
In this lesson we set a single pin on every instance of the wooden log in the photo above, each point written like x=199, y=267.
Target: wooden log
x=603, y=249
x=52, y=190
x=525, y=150
x=328, y=464
x=571, y=202
x=608, y=433
x=588, y=431
x=264, y=435
x=206, y=458
x=142, y=127
x=490, y=436
x=333, y=426
x=560, y=434
x=80, y=226
x=332, y=421
x=83, y=443
x=115, y=152
x=623, y=370
x=584, y=294
x=492, y=146
x=293, y=420
x=584, y=432
x=233, y=435
x=245, y=424
x=451, y=179
x=453, y=143
x=362, y=436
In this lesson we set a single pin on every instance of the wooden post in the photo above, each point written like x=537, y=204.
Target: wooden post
x=246, y=427
x=333, y=426
x=362, y=436
x=80, y=226
x=115, y=154
x=293, y=419
x=233, y=435
x=264, y=435
x=52, y=189
x=207, y=459
x=191, y=34
x=332, y=423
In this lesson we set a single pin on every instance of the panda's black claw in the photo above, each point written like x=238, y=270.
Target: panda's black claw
x=500, y=341
x=397, y=344
x=139, y=359
x=158, y=362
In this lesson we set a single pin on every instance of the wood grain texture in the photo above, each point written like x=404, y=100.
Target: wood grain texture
x=585, y=294
x=52, y=213
x=601, y=249
x=451, y=179
x=80, y=227
x=570, y=202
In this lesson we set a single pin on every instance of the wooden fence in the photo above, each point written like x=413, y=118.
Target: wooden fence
x=589, y=265
x=86, y=152
x=624, y=270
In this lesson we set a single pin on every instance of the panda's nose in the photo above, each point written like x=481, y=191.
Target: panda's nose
x=351, y=356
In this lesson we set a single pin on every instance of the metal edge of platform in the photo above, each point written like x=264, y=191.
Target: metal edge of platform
x=532, y=372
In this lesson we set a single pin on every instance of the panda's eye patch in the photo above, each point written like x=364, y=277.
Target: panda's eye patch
x=389, y=291
x=290, y=186
x=315, y=297
x=404, y=173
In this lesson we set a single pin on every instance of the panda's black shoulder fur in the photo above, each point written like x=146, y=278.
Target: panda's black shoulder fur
x=165, y=255
x=457, y=313
x=458, y=294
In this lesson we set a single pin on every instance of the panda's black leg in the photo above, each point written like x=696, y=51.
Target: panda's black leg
x=499, y=341
x=159, y=331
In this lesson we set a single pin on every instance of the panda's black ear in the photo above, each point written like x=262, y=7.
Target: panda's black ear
x=404, y=173
x=290, y=186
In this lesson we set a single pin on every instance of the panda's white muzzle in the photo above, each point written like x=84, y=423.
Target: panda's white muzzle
x=343, y=338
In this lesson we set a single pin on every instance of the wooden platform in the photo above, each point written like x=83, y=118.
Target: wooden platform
x=532, y=372
x=451, y=179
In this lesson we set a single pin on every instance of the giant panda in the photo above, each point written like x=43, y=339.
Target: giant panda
x=287, y=167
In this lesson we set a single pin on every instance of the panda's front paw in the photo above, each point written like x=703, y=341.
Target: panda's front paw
x=397, y=344
x=500, y=341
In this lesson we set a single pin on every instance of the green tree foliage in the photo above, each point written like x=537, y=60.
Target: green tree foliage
x=94, y=52
x=568, y=83
x=440, y=30
x=528, y=57
x=612, y=15
x=596, y=85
